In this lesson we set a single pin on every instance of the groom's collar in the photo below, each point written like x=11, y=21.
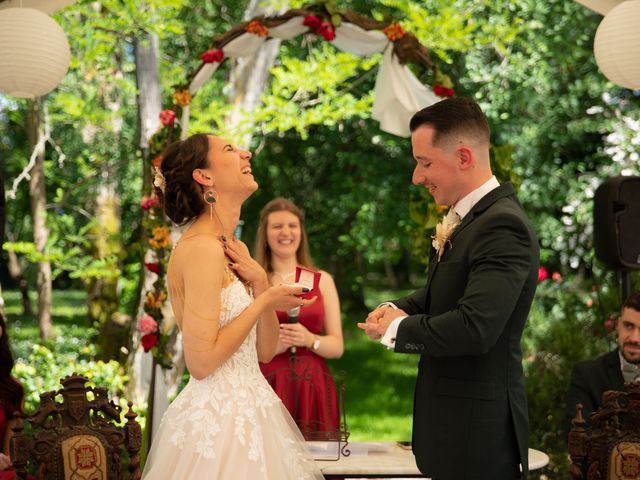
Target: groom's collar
x=467, y=202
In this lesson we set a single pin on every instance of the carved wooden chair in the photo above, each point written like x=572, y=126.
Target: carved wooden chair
x=78, y=438
x=610, y=448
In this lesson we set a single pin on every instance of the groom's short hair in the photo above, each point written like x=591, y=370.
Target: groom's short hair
x=451, y=116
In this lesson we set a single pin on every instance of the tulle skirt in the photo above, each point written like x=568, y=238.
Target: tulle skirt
x=238, y=435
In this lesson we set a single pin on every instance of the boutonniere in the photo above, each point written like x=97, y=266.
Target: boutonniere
x=444, y=229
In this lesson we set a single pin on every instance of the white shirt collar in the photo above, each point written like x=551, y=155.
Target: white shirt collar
x=466, y=203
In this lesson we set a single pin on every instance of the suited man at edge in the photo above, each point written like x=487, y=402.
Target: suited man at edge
x=470, y=417
x=591, y=378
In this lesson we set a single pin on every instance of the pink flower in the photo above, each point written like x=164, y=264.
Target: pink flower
x=149, y=341
x=326, y=30
x=154, y=268
x=443, y=91
x=556, y=277
x=542, y=274
x=312, y=22
x=589, y=302
x=211, y=56
x=149, y=202
x=167, y=117
x=147, y=325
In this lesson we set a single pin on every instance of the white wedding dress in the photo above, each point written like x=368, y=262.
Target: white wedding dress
x=230, y=425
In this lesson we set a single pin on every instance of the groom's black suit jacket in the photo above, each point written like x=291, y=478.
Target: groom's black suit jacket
x=470, y=417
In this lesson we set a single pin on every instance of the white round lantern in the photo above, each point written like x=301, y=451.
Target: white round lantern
x=617, y=44
x=34, y=52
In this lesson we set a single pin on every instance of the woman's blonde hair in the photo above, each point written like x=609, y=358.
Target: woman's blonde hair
x=262, y=249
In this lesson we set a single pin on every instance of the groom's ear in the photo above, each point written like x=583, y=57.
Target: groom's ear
x=465, y=157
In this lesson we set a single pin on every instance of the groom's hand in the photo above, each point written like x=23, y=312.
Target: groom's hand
x=378, y=321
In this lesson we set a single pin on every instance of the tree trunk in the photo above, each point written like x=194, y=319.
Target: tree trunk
x=15, y=270
x=102, y=292
x=37, y=194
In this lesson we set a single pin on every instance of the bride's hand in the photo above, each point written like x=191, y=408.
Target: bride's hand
x=283, y=297
x=244, y=266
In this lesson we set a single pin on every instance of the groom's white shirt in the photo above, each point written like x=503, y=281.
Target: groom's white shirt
x=463, y=207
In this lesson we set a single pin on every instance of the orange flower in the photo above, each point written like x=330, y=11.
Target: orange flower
x=156, y=301
x=257, y=28
x=160, y=238
x=441, y=208
x=182, y=97
x=157, y=161
x=394, y=31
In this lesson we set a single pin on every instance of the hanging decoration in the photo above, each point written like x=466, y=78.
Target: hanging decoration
x=34, y=52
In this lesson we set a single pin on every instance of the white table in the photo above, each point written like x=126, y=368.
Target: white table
x=389, y=460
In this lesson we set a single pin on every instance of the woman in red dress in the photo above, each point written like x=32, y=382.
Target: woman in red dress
x=11, y=396
x=299, y=373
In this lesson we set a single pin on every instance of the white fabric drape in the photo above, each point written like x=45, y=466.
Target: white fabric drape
x=398, y=93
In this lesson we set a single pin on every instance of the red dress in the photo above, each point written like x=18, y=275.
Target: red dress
x=303, y=380
x=4, y=474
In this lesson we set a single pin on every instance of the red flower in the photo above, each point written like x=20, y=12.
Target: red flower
x=167, y=117
x=326, y=30
x=312, y=22
x=149, y=202
x=443, y=91
x=610, y=323
x=556, y=277
x=149, y=341
x=211, y=56
x=154, y=268
x=542, y=274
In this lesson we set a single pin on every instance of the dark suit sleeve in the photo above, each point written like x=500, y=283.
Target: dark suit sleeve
x=414, y=303
x=579, y=392
x=500, y=262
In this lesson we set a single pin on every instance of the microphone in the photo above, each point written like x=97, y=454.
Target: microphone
x=292, y=317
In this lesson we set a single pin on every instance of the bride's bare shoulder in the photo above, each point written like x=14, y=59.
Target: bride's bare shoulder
x=201, y=249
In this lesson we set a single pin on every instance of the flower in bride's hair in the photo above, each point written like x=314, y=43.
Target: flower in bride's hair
x=158, y=180
x=444, y=229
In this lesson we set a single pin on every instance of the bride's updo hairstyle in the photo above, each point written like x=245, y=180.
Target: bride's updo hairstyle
x=182, y=195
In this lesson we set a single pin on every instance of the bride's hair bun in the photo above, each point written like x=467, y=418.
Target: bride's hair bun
x=182, y=196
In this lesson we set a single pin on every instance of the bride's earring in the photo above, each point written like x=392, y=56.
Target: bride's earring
x=210, y=198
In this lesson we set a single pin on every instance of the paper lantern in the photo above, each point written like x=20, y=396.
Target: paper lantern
x=617, y=45
x=34, y=52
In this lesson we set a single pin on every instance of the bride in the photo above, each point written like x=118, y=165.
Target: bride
x=227, y=423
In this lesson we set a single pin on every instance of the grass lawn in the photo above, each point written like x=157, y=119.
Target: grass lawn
x=378, y=385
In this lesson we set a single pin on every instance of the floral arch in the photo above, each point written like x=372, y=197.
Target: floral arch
x=398, y=94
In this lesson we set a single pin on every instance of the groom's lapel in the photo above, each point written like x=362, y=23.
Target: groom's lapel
x=485, y=202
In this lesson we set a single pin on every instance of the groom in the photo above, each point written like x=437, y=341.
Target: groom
x=470, y=416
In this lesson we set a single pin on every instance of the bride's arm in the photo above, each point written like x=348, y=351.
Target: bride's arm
x=206, y=345
x=268, y=330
